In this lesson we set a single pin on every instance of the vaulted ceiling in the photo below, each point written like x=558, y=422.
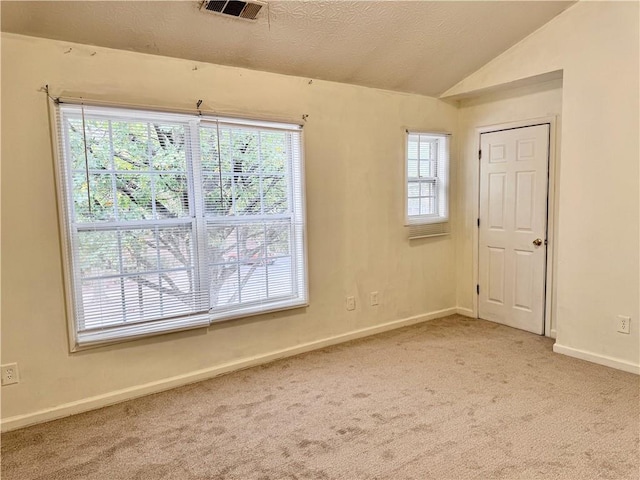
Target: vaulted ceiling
x=413, y=46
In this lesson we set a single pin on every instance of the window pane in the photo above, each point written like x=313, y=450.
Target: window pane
x=427, y=168
x=224, y=285
x=142, y=297
x=247, y=195
x=245, y=151
x=152, y=296
x=102, y=303
x=130, y=145
x=218, y=199
x=98, y=253
x=251, y=244
x=134, y=198
x=280, y=278
x=273, y=152
x=167, y=147
x=414, y=189
x=209, y=149
x=412, y=171
x=98, y=148
x=226, y=150
x=253, y=281
x=426, y=206
x=427, y=189
x=139, y=251
x=275, y=194
x=222, y=244
x=414, y=206
x=254, y=173
x=426, y=149
x=254, y=259
x=175, y=247
x=171, y=196
x=278, y=240
x=93, y=200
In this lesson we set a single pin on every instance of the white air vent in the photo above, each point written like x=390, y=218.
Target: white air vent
x=233, y=8
x=429, y=230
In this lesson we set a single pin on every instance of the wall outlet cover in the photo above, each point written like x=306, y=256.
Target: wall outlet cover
x=624, y=324
x=351, y=303
x=9, y=374
x=373, y=299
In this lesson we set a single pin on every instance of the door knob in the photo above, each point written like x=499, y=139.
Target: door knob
x=537, y=242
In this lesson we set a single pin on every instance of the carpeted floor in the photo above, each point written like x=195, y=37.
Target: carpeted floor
x=450, y=399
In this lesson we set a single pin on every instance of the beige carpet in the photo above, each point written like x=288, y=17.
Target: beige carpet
x=450, y=399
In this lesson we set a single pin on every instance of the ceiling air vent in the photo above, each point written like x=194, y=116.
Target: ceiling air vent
x=233, y=8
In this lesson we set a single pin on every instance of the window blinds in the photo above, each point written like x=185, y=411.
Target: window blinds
x=174, y=221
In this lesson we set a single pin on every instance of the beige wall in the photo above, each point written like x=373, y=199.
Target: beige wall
x=524, y=103
x=356, y=240
x=596, y=44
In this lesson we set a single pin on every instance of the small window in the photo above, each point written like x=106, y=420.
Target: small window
x=427, y=166
x=176, y=221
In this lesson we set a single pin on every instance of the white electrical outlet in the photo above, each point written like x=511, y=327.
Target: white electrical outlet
x=351, y=303
x=624, y=323
x=9, y=373
x=373, y=299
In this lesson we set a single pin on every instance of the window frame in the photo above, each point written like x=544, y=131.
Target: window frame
x=195, y=221
x=440, y=181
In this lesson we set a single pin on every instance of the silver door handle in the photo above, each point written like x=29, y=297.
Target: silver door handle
x=537, y=242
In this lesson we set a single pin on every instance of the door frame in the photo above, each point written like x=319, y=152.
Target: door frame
x=552, y=217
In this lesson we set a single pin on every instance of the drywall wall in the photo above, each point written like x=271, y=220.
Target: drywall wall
x=356, y=239
x=596, y=45
x=512, y=105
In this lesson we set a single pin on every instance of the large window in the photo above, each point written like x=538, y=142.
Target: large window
x=174, y=221
x=427, y=165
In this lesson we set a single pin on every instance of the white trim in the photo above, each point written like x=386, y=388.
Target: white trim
x=117, y=396
x=57, y=143
x=465, y=312
x=551, y=212
x=596, y=358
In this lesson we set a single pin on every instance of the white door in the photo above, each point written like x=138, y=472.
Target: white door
x=514, y=172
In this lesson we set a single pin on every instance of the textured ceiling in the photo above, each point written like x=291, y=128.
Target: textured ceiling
x=416, y=46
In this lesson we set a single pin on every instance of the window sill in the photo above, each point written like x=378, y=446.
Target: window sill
x=99, y=338
x=222, y=316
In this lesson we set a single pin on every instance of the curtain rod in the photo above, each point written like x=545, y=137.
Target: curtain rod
x=195, y=111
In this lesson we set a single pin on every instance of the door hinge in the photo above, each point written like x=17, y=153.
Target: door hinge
x=478, y=223
x=478, y=289
x=479, y=154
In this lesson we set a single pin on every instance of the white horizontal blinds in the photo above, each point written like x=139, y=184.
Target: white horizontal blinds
x=427, y=166
x=131, y=221
x=252, y=202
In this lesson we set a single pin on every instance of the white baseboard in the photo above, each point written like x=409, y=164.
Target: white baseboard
x=599, y=359
x=466, y=312
x=117, y=396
